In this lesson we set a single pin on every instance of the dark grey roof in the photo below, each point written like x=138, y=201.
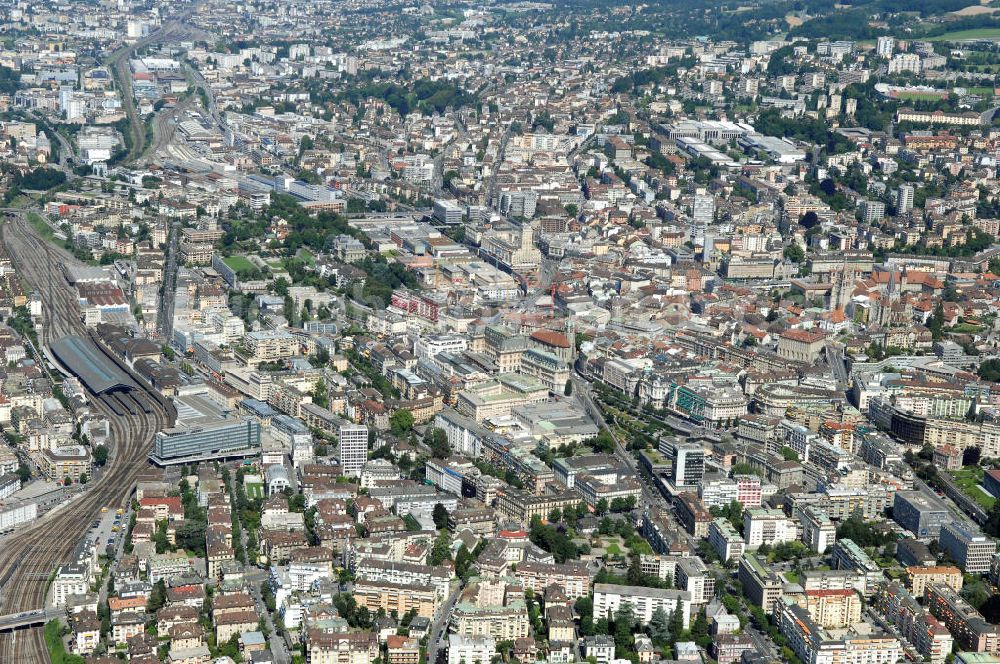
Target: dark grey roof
x=97, y=371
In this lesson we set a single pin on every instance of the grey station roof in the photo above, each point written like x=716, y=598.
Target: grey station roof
x=97, y=372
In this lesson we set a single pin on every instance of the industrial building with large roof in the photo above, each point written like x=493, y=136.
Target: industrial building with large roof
x=96, y=370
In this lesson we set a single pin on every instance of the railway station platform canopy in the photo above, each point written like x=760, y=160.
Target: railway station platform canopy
x=95, y=370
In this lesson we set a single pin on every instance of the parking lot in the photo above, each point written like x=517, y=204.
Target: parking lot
x=108, y=526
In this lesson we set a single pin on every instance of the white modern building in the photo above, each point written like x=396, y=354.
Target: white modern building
x=353, y=449
x=608, y=597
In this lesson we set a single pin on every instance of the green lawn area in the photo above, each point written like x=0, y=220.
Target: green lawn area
x=919, y=96
x=254, y=491
x=981, y=91
x=969, y=479
x=238, y=263
x=307, y=257
x=613, y=549
x=41, y=226
x=791, y=576
x=54, y=643
x=975, y=33
x=640, y=546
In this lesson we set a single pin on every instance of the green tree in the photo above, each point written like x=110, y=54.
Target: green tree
x=624, y=625
x=441, y=549
x=676, y=624
x=305, y=143
x=100, y=455
x=160, y=537
x=992, y=525
x=401, y=422
x=191, y=536
x=659, y=628
x=863, y=533
x=440, y=516
x=936, y=322
x=411, y=523
x=795, y=253
x=231, y=648
x=554, y=540
x=604, y=442
x=789, y=454
x=437, y=440
x=157, y=597
x=320, y=394
x=733, y=512
x=463, y=562
x=585, y=609
x=990, y=370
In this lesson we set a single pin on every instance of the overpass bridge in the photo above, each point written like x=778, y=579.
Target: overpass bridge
x=34, y=618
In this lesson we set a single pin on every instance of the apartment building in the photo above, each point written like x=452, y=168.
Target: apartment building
x=813, y=644
x=918, y=578
x=608, y=597
x=471, y=649
x=848, y=555
x=967, y=546
x=721, y=491
x=692, y=575
x=692, y=515
x=725, y=540
x=70, y=579
x=761, y=586
x=521, y=507
x=966, y=624
x=402, y=649
x=501, y=622
x=572, y=578
x=324, y=647
x=270, y=345
x=818, y=531
x=352, y=450
x=833, y=609
x=927, y=634
x=767, y=526
x=400, y=598
x=437, y=578
x=70, y=461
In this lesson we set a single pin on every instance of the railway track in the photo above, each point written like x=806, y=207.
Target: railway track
x=28, y=560
x=118, y=62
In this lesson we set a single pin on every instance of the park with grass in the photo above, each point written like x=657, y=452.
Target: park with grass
x=54, y=632
x=971, y=34
x=239, y=263
x=970, y=479
x=918, y=96
x=41, y=226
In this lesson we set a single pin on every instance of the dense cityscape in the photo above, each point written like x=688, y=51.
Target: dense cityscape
x=367, y=332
